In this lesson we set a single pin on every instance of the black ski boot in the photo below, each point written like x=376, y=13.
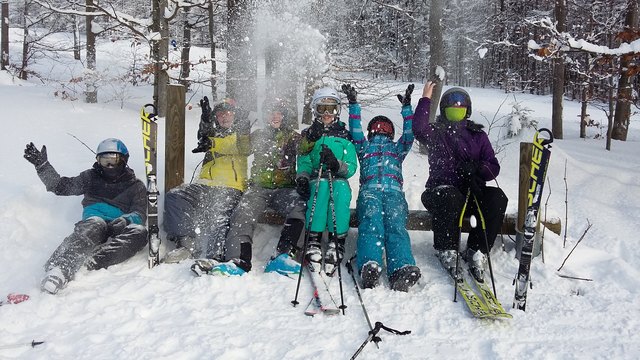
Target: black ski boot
x=404, y=278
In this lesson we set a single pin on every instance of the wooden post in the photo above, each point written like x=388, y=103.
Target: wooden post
x=4, y=48
x=174, y=137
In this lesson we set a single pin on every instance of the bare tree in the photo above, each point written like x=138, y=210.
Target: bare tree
x=4, y=48
x=558, y=73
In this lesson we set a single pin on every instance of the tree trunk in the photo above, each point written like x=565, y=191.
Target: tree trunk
x=625, y=96
x=4, y=48
x=185, y=68
x=160, y=54
x=91, y=95
x=558, y=74
x=76, y=36
x=25, y=42
x=214, y=85
x=436, y=58
x=241, y=63
x=583, y=112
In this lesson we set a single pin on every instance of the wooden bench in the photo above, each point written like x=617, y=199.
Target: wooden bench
x=421, y=220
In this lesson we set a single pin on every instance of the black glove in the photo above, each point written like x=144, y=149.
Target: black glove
x=406, y=99
x=203, y=145
x=35, y=156
x=351, y=93
x=468, y=172
x=206, y=110
x=117, y=225
x=302, y=187
x=314, y=132
x=329, y=159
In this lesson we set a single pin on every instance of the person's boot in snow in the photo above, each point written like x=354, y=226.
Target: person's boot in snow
x=283, y=264
x=370, y=273
x=477, y=263
x=233, y=267
x=333, y=256
x=404, y=278
x=186, y=248
x=314, y=252
x=53, y=281
x=448, y=259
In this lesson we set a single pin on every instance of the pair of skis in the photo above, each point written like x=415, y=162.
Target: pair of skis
x=482, y=306
x=539, y=164
x=322, y=301
x=150, y=143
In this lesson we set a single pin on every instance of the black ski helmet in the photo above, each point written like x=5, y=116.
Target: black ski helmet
x=455, y=97
x=380, y=125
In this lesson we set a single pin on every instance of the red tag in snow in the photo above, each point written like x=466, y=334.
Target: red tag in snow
x=17, y=298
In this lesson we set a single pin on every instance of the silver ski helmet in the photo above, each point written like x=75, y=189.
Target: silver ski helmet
x=111, y=151
x=325, y=100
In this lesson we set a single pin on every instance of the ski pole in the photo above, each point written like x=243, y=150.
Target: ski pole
x=464, y=209
x=335, y=239
x=486, y=242
x=355, y=284
x=306, y=235
x=373, y=336
x=14, y=346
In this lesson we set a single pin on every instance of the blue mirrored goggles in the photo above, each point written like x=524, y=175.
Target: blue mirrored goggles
x=455, y=99
x=109, y=159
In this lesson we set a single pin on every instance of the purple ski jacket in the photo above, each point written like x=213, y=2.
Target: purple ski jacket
x=451, y=143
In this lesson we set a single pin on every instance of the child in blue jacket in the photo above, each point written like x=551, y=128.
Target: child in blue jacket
x=382, y=208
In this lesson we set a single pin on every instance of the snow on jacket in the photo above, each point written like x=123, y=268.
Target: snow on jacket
x=225, y=164
x=451, y=143
x=274, y=162
x=381, y=158
x=126, y=196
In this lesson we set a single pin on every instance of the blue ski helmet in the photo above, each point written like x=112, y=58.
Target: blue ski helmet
x=113, y=145
x=455, y=97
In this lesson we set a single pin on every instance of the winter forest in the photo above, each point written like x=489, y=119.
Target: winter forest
x=76, y=72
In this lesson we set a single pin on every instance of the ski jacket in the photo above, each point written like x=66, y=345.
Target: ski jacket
x=337, y=138
x=274, y=162
x=381, y=158
x=225, y=164
x=126, y=196
x=451, y=143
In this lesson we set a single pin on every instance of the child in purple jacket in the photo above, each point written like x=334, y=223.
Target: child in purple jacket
x=461, y=159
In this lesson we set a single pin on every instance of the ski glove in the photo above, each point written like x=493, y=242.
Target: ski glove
x=302, y=187
x=117, y=225
x=351, y=93
x=314, y=132
x=329, y=159
x=406, y=99
x=203, y=145
x=468, y=172
x=206, y=110
x=35, y=156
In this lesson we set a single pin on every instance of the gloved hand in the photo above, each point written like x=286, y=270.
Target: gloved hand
x=468, y=172
x=117, y=225
x=206, y=110
x=329, y=159
x=406, y=99
x=302, y=187
x=35, y=156
x=351, y=93
x=203, y=145
x=314, y=132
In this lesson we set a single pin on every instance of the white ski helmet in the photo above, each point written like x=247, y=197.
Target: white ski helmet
x=113, y=145
x=325, y=100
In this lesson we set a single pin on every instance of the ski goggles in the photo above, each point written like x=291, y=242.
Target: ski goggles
x=109, y=160
x=331, y=109
x=455, y=99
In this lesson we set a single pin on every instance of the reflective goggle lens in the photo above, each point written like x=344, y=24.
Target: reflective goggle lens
x=327, y=109
x=382, y=127
x=456, y=99
x=109, y=159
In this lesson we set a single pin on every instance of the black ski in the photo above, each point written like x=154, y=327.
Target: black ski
x=150, y=143
x=539, y=163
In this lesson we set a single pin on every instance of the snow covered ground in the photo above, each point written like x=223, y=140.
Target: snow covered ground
x=131, y=312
